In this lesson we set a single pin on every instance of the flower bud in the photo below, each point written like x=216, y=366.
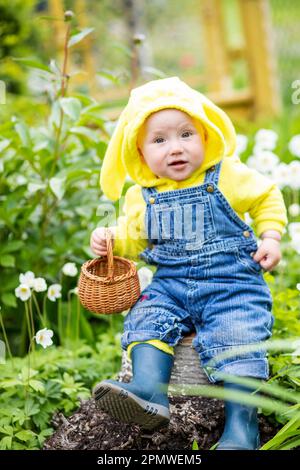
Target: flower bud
x=69, y=15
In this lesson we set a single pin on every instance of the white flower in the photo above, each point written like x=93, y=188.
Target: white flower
x=298, y=286
x=266, y=161
x=39, y=284
x=295, y=243
x=43, y=337
x=27, y=278
x=252, y=162
x=23, y=292
x=281, y=175
x=74, y=291
x=294, y=229
x=20, y=180
x=145, y=277
x=54, y=292
x=294, y=145
x=241, y=143
x=266, y=139
x=294, y=210
x=282, y=263
x=69, y=269
x=294, y=168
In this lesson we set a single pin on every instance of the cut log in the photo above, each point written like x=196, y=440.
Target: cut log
x=186, y=369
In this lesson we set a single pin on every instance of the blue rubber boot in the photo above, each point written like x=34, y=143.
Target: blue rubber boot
x=241, y=426
x=144, y=400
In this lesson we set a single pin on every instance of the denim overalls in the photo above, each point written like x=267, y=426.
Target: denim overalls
x=206, y=281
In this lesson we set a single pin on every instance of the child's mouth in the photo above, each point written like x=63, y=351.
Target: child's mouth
x=180, y=164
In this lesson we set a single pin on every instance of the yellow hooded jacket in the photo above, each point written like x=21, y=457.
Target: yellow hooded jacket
x=245, y=189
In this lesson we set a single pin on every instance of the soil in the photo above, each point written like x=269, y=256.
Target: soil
x=192, y=418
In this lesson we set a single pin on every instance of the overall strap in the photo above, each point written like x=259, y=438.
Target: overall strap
x=147, y=192
x=212, y=174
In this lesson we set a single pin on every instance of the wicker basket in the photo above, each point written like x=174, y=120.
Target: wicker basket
x=108, y=284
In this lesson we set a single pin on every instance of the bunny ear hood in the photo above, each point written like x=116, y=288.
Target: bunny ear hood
x=122, y=156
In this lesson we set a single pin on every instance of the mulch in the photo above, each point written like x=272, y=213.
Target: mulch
x=192, y=418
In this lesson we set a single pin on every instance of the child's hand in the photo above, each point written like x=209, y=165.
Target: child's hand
x=268, y=254
x=98, y=241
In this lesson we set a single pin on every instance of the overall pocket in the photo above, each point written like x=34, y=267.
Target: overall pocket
x=243, y=255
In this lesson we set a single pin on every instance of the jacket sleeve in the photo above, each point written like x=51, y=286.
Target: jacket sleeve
x=262, y=199
x=130, y=236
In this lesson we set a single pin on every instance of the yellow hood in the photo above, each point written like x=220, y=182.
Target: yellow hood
x=122, y=156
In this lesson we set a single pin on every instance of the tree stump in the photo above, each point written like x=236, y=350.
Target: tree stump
x=186, y=368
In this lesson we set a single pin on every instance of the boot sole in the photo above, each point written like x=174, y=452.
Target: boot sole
x=129, y=408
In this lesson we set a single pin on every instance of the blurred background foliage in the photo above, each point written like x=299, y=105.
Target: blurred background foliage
x=173, y=44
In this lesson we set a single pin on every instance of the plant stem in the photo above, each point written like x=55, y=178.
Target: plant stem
x=6, y=340
x=68, y=316
x=38, y=309
x=78, y=318
x=31, y=318
x=28, y=377
x=28, y=321
x=60, y=319
x=45, y=310
x=63, y=91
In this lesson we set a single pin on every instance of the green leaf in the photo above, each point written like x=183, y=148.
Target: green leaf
x=5, y=443
x=14, y=245
x=37, y=385
x=57, y=186
x=9, y=430
x=109, y=76
x=71, y=107
x=35, y=186
x=33, y=64
x=9, y=299
x=195, y=445
x=25, y=435
x=23, y=133
x=45, y=433
x=31, y=408
x=4, y=144
x=8, y=261
x=76, y=38
x=9, y=383
x=85, y=132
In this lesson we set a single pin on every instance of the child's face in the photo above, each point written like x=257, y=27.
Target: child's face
x=170, y=144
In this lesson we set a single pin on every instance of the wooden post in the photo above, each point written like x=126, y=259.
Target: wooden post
x=260, y=55
x=57, y=11
x=215, y=47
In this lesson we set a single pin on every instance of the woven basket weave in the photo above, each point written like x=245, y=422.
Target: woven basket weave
x=109, y=284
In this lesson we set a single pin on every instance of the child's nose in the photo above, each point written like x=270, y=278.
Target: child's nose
x=175, y=147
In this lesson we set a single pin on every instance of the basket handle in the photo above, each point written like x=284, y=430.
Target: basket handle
x=110, y=256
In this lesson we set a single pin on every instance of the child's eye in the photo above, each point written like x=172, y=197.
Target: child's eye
x=186, y=134
x=159, y=140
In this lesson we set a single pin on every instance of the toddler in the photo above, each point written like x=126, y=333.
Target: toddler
x=186, y=215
